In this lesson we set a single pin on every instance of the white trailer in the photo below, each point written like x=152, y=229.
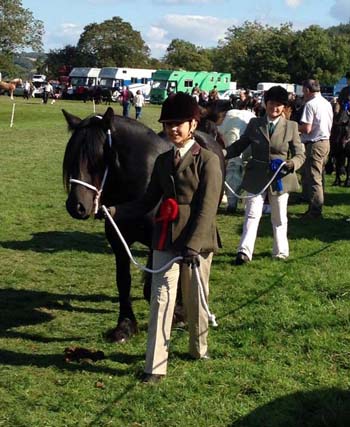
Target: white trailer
x=136, y=78
x=84, y=76
x=263, y=86
x=38, y=81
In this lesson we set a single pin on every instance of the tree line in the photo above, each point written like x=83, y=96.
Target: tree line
x=251, y=52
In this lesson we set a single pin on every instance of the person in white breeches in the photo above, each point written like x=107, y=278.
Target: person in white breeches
x=273, y=140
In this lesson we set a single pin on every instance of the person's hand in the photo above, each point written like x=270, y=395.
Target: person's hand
x=101, y=214
x=288, y=167
x=190, y=257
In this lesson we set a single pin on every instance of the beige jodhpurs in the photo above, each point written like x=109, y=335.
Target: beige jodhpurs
x=163, y=298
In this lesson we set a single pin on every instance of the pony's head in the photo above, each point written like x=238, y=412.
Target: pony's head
x=85, y=161
x=215, y=110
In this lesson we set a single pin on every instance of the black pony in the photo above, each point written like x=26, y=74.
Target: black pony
x=129, y=155
x=340, y=146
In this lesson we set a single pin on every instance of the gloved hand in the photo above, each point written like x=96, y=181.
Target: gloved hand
x=190, y=257
x=288, y=167
x=102, y=215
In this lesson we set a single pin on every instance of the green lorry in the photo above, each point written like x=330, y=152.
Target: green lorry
x=167, y=81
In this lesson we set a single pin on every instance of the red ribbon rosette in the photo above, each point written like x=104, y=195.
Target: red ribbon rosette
x=168, y=212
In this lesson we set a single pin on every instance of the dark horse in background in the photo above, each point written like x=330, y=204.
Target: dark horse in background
x=340, y=146
x=130, y=159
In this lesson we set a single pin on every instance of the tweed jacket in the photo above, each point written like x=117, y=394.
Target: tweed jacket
x=284, y=144
x=196, y=186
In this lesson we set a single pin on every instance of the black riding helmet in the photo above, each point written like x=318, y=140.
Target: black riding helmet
x=179, y=107
x=276, y=94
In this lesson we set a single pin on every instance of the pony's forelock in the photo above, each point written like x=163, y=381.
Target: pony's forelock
x=85, y=147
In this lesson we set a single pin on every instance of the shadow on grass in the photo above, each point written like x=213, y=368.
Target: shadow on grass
x=254, y=298
x=337, y=199
x=326, y=230
x=13, y=358
x=56, y=241
x=274, y=285
x=330, y=199
x=20, y=307
x=265, y=254
x=318, y=408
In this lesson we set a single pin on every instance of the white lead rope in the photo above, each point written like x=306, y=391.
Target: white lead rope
x=250, y=196
x=211, y=316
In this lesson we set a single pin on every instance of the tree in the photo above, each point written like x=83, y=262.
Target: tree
x=113, y=43
x=317, y=53
x=69, y=56
x=185, y=55
x=18, y=30
x=341, y=29
x=253, y=53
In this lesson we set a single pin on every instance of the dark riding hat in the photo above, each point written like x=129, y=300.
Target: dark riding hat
x=179, y=107
x=276, y=94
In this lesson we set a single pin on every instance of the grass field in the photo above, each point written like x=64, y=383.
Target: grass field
x=281, y=353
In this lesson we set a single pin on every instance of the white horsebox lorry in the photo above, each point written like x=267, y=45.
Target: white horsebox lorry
x=83, y=78
x=38, y=81
x=263, y=86
x=114, y=78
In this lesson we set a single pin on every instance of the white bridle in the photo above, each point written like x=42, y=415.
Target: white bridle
x=92, y=187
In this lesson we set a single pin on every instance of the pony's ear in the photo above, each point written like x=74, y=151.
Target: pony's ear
x=73, y=121
x=107, y=118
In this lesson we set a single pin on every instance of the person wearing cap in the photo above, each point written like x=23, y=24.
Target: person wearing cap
x=272, y=139
x=187, y=181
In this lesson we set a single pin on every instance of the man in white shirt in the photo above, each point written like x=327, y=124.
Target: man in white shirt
x=315, y=128
x=48, y=90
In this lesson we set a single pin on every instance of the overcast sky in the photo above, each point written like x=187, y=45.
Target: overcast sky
x=202, y=22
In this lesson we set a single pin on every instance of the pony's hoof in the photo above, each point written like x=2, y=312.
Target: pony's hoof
x=123, y=331
x=179, y=320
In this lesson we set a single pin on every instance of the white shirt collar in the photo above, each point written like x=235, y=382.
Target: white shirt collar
x=273, y=121
x=185, y=148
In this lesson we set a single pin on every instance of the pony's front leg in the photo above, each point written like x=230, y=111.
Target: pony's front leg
x=127, y=324
x=347, y=170
x=339, y=166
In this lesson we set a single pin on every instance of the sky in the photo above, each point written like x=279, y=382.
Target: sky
x=201, y=22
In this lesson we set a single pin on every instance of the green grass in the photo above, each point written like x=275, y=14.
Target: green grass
x=281, y=353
